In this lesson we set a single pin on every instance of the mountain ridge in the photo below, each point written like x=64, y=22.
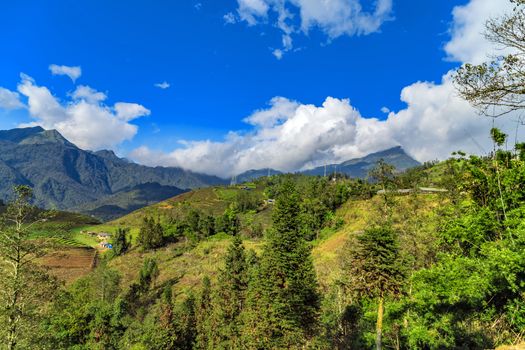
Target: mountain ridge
x=355, y=167
x=64, y=176
x=359, y=167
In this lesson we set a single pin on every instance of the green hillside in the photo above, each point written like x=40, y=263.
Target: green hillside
x=128, y=200
x=212, y=201
x=441, y=243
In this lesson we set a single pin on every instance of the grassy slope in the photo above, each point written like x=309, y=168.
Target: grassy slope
x=65, y=228
x=211, y=200
x=187, y=267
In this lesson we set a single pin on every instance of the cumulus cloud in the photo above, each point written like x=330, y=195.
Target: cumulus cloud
x=84, y=92
x=164, y=85
x=468, y=43
x=84, y=120
x=289, y=135
x=335, y=17
x=280, y=109
x=128, y=111
x=73, y=72
x=9, y=99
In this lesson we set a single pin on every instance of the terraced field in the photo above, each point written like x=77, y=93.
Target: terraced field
x=70, y=263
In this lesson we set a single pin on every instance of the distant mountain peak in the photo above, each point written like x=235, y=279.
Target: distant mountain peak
x=359, y=167
x=46, y=136
x=65, y=176
x=33, y=135
x=19, y=134
x=35, y=129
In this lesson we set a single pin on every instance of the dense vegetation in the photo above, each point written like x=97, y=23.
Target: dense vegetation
x=445, y=275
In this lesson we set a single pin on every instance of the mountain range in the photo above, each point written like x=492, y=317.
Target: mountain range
x=360, y=167
x=101, y=184
x=357, y=168
x=64, y=176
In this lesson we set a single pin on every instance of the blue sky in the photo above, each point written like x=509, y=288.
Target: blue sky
x=219, y=73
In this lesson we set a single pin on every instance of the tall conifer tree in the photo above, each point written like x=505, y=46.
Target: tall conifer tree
x=283, y=300
x=229, y=298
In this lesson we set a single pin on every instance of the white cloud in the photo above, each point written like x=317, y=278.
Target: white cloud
x=334, y=17
x=385, y=109
x=252, y=10
x=278, y=53
x=164, y=85
x=229, y=18
x=129, y=111
x=9, y=99
x=343, y=17
x=289, y=135
x=468, y=43
x=280, y=109
x=72, y=72
x=85, y=120
x=84, y=92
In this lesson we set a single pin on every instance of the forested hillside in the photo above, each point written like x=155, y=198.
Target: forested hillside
x=335, y=267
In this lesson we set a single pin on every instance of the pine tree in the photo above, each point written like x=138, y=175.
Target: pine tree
x=120, y=242
x=151, y=234
x=148, y=274
x=283, y=300
x=202, y=316
x=374, y=267
x=229, y=298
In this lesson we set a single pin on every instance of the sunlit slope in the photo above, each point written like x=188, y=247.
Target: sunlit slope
x=185, y=266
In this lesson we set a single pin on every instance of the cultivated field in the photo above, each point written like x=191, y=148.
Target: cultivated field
x=70, y=263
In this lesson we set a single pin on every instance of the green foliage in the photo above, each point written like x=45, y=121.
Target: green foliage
x=85, y=316
x=247, y=200
x=148, y=273
x=120, y=241
x=374, y=269
x=472, y=296
x=228, y=299
x=283, y=300
x=373, y=264
x=228, y=223
x=24, y=284
x=203, y=316
x=151, y=234
x=498, y=137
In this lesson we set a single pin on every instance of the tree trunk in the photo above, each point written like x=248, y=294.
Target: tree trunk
x=379, y=325
x=12, y=306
